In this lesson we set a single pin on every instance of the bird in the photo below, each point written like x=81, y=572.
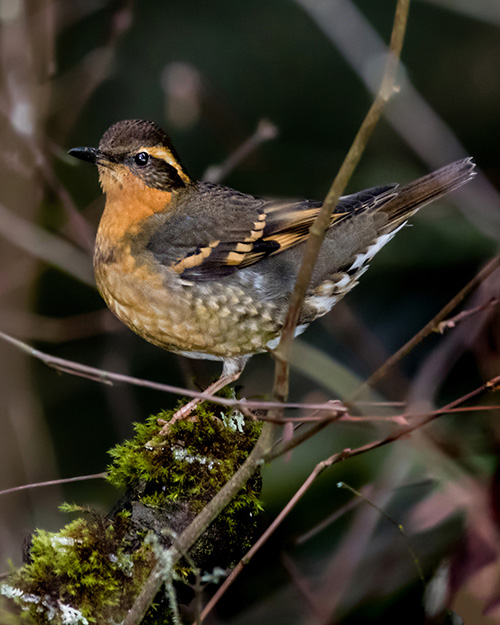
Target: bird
x=205, y=271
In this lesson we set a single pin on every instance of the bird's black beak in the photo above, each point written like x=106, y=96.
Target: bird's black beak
x=85, y=154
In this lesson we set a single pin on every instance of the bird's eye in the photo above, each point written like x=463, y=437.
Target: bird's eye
x=141, y=159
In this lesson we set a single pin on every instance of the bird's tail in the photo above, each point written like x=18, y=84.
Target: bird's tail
x=411, y=197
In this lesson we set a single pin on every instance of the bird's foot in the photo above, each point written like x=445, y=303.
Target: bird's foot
x=185, y=411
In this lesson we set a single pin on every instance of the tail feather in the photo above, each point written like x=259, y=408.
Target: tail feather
x=411, y=197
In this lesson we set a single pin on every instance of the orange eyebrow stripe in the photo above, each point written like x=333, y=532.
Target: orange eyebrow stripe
x=166, y=155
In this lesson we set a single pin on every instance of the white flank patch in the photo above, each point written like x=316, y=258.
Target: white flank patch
x=301, y=328
x=361, y=259
x=273, y=343
x=340, y=284
x=321, y=303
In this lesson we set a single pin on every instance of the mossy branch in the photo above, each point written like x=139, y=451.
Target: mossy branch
x=200, y=524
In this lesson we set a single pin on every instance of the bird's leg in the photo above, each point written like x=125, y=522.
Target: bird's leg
x=231, y=371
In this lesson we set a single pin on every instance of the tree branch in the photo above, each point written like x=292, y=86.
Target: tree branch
x=108, y=377
x=191, y=534
x=322, y=221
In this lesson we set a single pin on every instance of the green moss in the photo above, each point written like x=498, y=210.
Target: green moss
x=91, y=564
x=191, y=465
x=193, y=462
x=92, y=570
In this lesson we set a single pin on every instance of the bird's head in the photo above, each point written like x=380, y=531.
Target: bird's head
x=134, y=152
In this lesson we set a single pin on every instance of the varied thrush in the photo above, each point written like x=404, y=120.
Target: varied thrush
x=206, y=271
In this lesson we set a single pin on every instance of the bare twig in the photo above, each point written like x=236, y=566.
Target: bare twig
x=439, y=362
x=46, y=246
x=397, y=525
x=66, y=480
x=31, y=326
x=287, y=445
x=404, y=418
x=301, y=585
x=81, y=232
x=463, y=316
x=263, y=539
x=108, y=377
x=430, y=327
x=322, y=221
x=491, y=385
x=265, y=131
x=95, y=67
x=431, y=139
x=330, y=519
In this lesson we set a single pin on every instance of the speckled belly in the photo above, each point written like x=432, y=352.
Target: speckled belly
x=217, y=319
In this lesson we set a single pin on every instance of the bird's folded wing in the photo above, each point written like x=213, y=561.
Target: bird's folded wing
x=238, y=230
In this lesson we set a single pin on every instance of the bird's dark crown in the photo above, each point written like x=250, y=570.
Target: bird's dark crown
x=132, y=134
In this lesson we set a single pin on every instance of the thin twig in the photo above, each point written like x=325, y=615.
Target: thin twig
x=108, y=377
x=464, y=315
x=285, y=446
x=404, y=418
x=256, y=546
x=431, y=139
x=32, y=326
x=330, y=411
x=491, y=385
x=265, y=131
x=318, y=229
x=81, y=232
x=65, y=480
x=330, y=519
x=430, y=327
x=302, y=587
x=397, y=525
x=48, y=247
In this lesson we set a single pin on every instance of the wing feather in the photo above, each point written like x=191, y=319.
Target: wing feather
x=232, y=230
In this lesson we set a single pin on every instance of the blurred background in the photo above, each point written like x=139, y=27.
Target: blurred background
x=296, y=76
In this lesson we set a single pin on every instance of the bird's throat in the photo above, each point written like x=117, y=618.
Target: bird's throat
x=129, y=202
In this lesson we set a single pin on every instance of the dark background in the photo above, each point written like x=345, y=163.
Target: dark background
x=208, y=72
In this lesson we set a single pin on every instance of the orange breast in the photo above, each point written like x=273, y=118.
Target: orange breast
x=128, y=203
